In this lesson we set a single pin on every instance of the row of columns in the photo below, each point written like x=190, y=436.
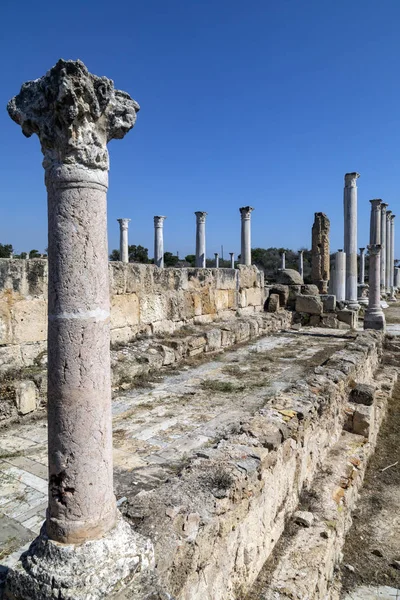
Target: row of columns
x=245, y=213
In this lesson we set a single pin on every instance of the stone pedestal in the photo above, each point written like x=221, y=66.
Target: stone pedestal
x=383, y=247
x=216, y=256
x=75, y=114
x=374, y=317
x=320, y=255
x=200, y=239
x=232, y=255
x=159, y=241
x=123, y=240
x=301, y=263
x=350, y=238
x=245, y=213
x=340, y=276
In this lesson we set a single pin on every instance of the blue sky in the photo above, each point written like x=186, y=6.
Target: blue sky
x=265, y=103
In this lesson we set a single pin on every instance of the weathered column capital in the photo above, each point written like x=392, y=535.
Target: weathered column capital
x=350, y=179
x=123, y=223
x=362, y=250
x=388, y=215
x=374, y=249
x=376, y=203
x=392, y=217
x=245, y=212
x=75, y=114
x=200, y=216
x=159, y=221
x=384, y=206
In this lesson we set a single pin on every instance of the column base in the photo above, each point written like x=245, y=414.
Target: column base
x=363, y=301
x=92, y=570
x=352, y=305
x=375, y=320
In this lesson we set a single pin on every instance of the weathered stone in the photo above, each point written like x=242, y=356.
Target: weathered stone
x=294, y=291
x=320, y=255
x=25, y=397
x=315, y=321
x=362, y=420
x=273, y=303
x=329, y=302
x=289, y=277
x=304, y=518
x=349, y=317
x=311, y=305
x=309, y=289
x=283, y=293
x=329, y=320
x=363, y=394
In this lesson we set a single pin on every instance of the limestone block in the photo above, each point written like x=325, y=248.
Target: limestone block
x=5, y=320
x=247, y=276
x=283, y=293
x=221, y=299
x=242, y=331
x=329, y=302
x=227, y=337
x=315, y=321
x=25, y=396
x=247, y=310
x=232, y=299
x=254, y=328
x=168, y=355
x=29, y=321
x=207, y=302
x=289, y=277
x=294, y=291
x=124, y=311
x=242, y=299
x=330, y=321
x=153, y=307
x=363, y=394
x=164, y=326
x=36, y=277
x=116, y=271
x=213, y=338
x=225, y=279
x=178, y=310
x=254, y=296
x=309, y=290
x=311, y=305
x=349, y=317
x=362, y=420
x=273, y=303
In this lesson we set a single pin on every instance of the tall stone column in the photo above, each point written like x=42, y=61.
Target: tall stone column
x=340, y=276
x=159, y=241
x=375, y=222
x=383, y=246
x=75, y=114
x=232, y=255
x=362, y=266
x=123, y=240
x=350, y=238
x=374, y=317
x=283, y=260
x=320, y=255
x=301, y=263
x=396, y=278
x=245, y=250
x=392, y=296
x=388, y=249
x=200, y=239
x=216, y=255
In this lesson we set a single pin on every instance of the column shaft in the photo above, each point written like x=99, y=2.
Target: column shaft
x=123, y=240
x=301, y=263
x=340, y=276
x=374, y=317
x=383, y=246
x=388, y=249
x=283, y=260
x=350, y=238
x=159, y=241
x=216, y=255
x=392, y=257
x=232, y=255
x=201, y=239
x=362, y=266
x=245, y=212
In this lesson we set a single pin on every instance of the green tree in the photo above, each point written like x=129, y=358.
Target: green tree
x=170, y=259
x=6, y=250
x=138, y=254
x=114, y=256
x=34, y=254
x=191, y=259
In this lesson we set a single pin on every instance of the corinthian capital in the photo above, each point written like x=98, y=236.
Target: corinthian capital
x=350, y=179
x=246, y=211
x=74, y=113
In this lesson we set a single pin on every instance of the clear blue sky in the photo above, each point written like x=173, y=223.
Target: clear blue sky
x=265, y=103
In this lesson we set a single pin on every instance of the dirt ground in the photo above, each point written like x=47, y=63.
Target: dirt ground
x=373, y=543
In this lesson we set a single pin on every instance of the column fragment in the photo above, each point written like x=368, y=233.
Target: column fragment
x=123, y=240
x=283, y=260
x=350, y=238
x=340, y=276
x=232, y=255
x=200, y=239
x=216, y=255
x=320, y=256
x=159, y=241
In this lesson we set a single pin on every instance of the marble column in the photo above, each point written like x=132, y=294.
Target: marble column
x=159, y=241
x=301, y=263
x=123, y=240
x=350, y=238
x=245, y=213
x=75, y=114
x=340, y=276
x=232, y=255
x=283, y=260
x=375, y=222
x=362, y=266
x=396, y=278
x=374, y=317
x=216, y=255
x=383, y=246
x=392, y=296
x=388, y=249
x=200, y=239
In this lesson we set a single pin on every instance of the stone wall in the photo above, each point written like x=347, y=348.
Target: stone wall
x=144, y=300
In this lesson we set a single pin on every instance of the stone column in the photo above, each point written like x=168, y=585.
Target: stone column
x=374, y=317
x=75, y=114
x=216, y=260
x=396, y=278
x=388, y=249
x=301, y=263
x=375, y=222
x=383, y=246
x=123, y=240
x=200, y=239
x=159, y=241
x=362, y=266
x=245, y=213
x=392, y=296
x=283, y=260
x=340, y=276
x=232, y=255
x=350, y=238
x=320, y=256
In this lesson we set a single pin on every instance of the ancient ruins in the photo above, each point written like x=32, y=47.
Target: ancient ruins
x=176, y=433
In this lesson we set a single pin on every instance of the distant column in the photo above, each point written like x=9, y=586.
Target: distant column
x=388, y=249
x=283, y=260
x=200, y=239
x=159, y=241
x=392, y=296
x=350, y=238
x=245, y=213
x=340, y=276
x=374, y=317
x=232, y=255
x=396, y=278
x=216, y=260
x=375, y=222
x=301, y=263
x=362, y=266
x=383, y=246
x=320, y=254
x=123, y=240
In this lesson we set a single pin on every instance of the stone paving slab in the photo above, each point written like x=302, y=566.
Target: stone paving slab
x=374, y=593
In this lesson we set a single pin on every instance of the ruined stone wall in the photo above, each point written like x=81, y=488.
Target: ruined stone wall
x=144, y=300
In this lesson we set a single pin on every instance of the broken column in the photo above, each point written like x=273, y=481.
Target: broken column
x=320, y=257
x=200, y=239
x=362, y=266
x=383, y=246
x=301, y=263
x=159, y=241
x=388, y=249
x=374, y=317
x=283, y=260
x=216, y=255
x=84, y=546
x=340, y=276
x=232, y=255
x=350, y=238
x=245, y=213
x=123, y=240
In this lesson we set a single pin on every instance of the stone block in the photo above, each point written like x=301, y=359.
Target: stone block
x=330, y=321
x=309, y=290
x=315, y=321
x=289, y=277
x=221, y=299
x=213, y=338
x=311, y=305
x=247, y=276
x=29, y=321
x=25, y=396
x=349, y=317
x=363, y=394
x=254, y=296
x=329, y=302
x=124, y=311
x=362, y=420
x=273, y=303
x=227, y=337
x=294, y=291
x=283, y=293
x=153, y=307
